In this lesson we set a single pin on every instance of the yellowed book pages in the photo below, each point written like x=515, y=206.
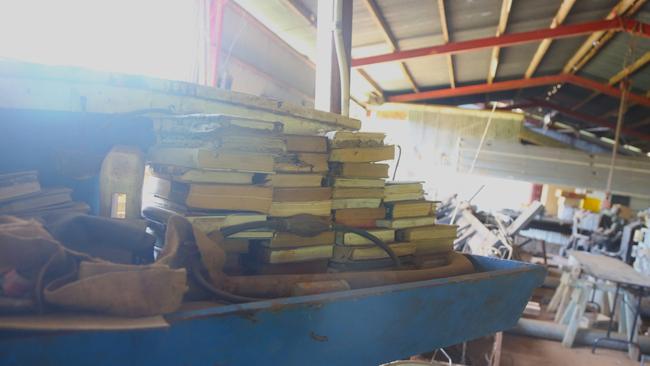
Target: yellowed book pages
x=359, y=170
x=403, y=187
x=343, y=253
x=301, y=163
x=212, y=159
x=341, y=139
x=285, y=209
x=269, y=255
x=285, y=180
x=341, y=203
x=434, y=246
x=362, y=154
x=385, y=235
x=340, y=192
x=409, y=196
x=428, y=232
x=407, y=222
x=301, y=143
x=288, y=240
x=207, y=176
x=357, y=183
x=208, y=224
x=404, y=209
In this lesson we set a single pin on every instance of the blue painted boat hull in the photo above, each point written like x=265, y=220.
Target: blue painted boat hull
x=358, y=327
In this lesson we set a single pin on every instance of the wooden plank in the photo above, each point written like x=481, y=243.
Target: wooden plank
x=610, y=269
x=445, y=36
x=506, y=5
x=558, y=19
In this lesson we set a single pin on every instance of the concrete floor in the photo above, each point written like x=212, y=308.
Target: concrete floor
x=525, y=351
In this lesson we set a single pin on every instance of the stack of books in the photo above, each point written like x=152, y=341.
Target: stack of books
x=357, y=179
x=214, y=171
x=297, y=185
x=21, y=195
x=414, y=220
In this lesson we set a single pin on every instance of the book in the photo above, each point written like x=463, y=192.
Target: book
x=219, y=159
x=301, y=143
x=401, y=209
x=356, y=183
x=362, y=154
x=360, y=213
x=343, y=253
x=227, y=197
x=406, y=222
x=385, y=235
x=286, y=209
x=291, y=255
x=339, y=203
x=287, y=180
x=211, y=125
x=340, y=192
x=301, y=163
x=359, y=170
x=359, y=217
x=288, y=240
x=427, y=232
x=344, y=139
x=210, y=223
x=188, y=175
x=257, y=143
x=434, y=246
x=18, y=184
x=395, y=187
x=304, y=194
x=409, y=196
x=48, y=197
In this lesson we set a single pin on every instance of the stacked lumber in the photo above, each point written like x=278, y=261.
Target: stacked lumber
x=414, y=220
x=358, y=179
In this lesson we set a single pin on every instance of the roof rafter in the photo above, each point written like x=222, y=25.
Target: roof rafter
x=520, y=84
x=543, y=47
x=506, y=5
x=511, y=39
x=371, y=81
x=445, y=35
x=597, y=40
x=625, y=72
x=378, y=17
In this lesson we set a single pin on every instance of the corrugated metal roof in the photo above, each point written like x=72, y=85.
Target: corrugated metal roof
x=416, y=24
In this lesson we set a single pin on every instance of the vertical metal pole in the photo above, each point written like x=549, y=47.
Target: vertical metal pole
x=216, y=30
x=617, y=135
x=327, y=94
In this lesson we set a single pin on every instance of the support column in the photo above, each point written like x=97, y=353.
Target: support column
x=328, y=80
x=216, y=29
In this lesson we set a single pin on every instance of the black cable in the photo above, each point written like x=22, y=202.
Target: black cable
x=399, y=157
x=378, y=242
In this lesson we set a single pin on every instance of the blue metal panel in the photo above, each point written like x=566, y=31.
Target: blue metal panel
x=358, y=327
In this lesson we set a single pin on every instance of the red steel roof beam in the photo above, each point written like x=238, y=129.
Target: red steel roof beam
x=519, y=84
x=511, y=39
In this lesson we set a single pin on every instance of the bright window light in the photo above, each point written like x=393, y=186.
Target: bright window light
x=159, y=38
x=607, y=140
